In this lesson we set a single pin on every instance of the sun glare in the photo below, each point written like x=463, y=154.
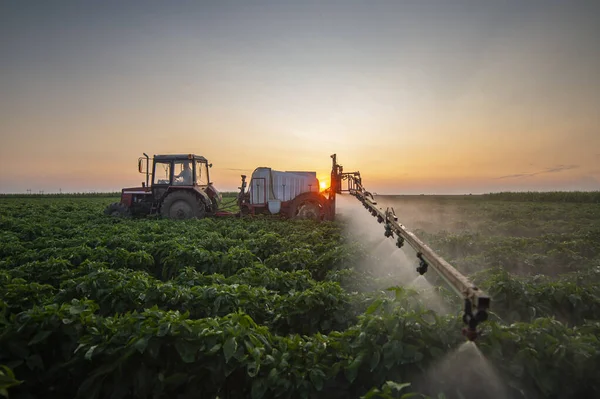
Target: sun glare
x=323, y=185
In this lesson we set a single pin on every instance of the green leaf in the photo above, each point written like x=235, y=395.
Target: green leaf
x=186, y=352
x=214, y=349
x=316, y=377
x=39, y=337
x=410, y=395
x=374, y=306
x=229, y=348
x=163, y=329
x=352, y=370
x=373, y=393
x=6, y=371
x=76, y=309
x=141, y=344
x=176, y=379
x=273, y=376
x=397, y=387
x=253, y=369
x=7, y=380
x=375, y=360
x=89, y=352
x=259, y=388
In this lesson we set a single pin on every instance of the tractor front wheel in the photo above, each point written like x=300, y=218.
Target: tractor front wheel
x=117, y=209
x=182, y=205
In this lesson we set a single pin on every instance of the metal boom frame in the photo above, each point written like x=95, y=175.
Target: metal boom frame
x=476, y=301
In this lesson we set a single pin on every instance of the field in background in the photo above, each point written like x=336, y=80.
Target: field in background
x=535, y=258
x=95, y=306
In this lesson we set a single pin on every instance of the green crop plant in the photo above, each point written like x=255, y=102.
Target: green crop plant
x=96, y=307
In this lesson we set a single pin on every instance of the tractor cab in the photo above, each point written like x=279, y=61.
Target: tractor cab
x=177, y=186
x=179, y=170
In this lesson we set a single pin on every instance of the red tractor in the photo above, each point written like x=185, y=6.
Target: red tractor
x=180, y=189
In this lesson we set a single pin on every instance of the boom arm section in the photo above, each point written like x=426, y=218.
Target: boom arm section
x=476, y=301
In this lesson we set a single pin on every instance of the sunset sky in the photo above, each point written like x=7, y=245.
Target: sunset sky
x=420, y=96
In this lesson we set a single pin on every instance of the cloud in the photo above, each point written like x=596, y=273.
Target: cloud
x=554, y=169
x=514, y=176
x=558, y=168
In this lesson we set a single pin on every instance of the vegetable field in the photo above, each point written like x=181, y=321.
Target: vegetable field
x=98, y=307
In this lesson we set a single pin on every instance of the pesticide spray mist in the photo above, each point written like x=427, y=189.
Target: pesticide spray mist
x=396, y=266
x=462, y=373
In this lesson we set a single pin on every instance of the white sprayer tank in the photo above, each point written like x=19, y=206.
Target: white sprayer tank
x=272, y=187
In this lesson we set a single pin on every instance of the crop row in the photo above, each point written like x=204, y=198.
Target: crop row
x=71, y=351
x=573, y=298
x=550, y=254
x=103, y=307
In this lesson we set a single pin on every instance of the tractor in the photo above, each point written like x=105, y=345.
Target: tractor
x=180, y=189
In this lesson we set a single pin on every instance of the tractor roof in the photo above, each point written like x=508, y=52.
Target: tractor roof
x=180, y=157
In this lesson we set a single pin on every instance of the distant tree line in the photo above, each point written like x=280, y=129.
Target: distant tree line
x=64, y=195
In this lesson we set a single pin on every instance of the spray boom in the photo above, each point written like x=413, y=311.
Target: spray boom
x=476, y=302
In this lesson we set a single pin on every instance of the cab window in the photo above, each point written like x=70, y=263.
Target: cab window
x=162, y=173
x=182, y=174
x=201, y=174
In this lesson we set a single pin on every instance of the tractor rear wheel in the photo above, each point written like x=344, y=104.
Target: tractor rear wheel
x=182, y=205
x=117, y=209
x=308, y=209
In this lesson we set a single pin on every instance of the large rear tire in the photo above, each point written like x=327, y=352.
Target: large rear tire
x=308, y=208
x=117, y=209
x=182, y=205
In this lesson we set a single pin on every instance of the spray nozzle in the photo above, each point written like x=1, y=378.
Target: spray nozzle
x=388, y=230
x=473, y=319
x=399, y=241
x=423, y=265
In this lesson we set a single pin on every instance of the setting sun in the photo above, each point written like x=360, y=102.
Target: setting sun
x=323, y=185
